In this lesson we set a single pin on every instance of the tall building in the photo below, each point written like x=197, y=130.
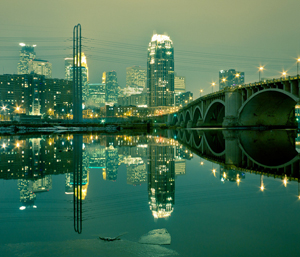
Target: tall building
x=68, y=67
x=160, y=71
x=136, y=78
x=84, y=73
x=96, y=95
x=179, y=84
x=229, y=78
x=27, y=54
x=111, y=87
x=40, y=67
x=29, y=64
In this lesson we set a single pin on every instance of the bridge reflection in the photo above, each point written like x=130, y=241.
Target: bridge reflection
x=270, y=153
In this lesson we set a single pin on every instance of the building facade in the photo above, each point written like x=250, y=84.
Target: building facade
x=96, y=95
x=229, y=78
x=160, y=71
x=40, y=67
x=184, y=99
x=179, y=84
x=33, y=94
x=136, y=77
x=27, y=54
x=111, y=87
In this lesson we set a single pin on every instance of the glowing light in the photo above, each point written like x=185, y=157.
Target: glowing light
x=160, y=38
x=285, y=181
x=18, y=145
x=261, y=68
x=237, y=75
x=298, y=60
x=284, y=73
x=22, y=208
x=262, y=187
x=4, y=145
x=201, y=163
x=3, y=108
x=223, y=79
x=22, y=44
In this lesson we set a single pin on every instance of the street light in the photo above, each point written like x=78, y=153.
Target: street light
x=260, y=69
x=284, y=73
x=212, y=86
x=298, y=60
x=201, y=91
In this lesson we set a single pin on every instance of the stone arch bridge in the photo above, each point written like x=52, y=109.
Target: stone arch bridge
x=265, y=103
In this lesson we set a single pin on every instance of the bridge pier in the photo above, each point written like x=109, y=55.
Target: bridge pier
x=233, y=102
x=199, y=123
x=189, y=124
x=233, y=153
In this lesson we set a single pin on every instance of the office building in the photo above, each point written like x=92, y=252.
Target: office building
x=111, y=87
x=229, y=78
x=40, y=67
x=84, y=74
x=27, y=54
x=30, y=64
x=136, y=78
x=96, y=95
x=179, y=84
x=68, y=67
x=184, y=99
x=160, y=72
x=33, y=94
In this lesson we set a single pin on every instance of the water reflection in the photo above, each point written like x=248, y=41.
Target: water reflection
x=155, y=159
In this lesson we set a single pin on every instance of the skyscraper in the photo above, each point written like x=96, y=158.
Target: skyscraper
x=160, y=71
x=40, y=67
x=29, y=64
x=27, y=54
x=68, y=67
x=136, y=78
x=229, y=78
x=179, y=84
x=111, y=87
x=84, y=72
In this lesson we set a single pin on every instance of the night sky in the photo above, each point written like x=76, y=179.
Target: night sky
x=208, y=35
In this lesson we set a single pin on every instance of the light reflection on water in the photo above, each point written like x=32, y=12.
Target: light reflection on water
x=218, y=187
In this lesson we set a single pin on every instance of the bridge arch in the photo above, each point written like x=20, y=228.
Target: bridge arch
x=268, y=107
x=197, y=115
x=278, y=147
x=215, y=113
x=197, y=138
x=187, y=117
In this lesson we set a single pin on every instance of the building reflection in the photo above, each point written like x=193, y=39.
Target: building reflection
x=153, y=160
x=161, y=178
x=29, y=190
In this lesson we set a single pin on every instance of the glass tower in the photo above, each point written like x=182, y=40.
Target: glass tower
x=160, y=71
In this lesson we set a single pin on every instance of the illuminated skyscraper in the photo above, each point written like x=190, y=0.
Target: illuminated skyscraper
x=40, y=67
x=160, y=71
x=111, y=87
x=179, y=84
x=84, y=72
x=136, y=79
x=27, y=54
x=68, y=67
x=29, y=64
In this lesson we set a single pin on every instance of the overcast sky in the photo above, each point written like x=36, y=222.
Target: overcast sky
x=208, y=35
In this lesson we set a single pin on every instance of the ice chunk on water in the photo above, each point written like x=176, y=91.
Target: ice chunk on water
x=156, y=237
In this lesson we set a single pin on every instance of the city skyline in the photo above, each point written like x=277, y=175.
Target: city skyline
x=203, y=47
